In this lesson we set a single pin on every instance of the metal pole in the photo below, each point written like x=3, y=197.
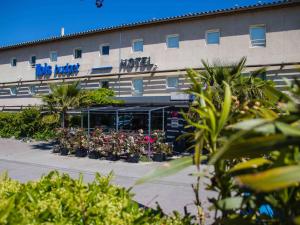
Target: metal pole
x=117, y=120
x=163, y=122
x=89, y=123
x=149, y=133
x=81, y=117
x=63, y=120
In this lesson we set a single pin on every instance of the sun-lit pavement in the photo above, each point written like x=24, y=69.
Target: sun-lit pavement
x=28, y=161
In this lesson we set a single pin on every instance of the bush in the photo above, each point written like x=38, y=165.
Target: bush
x=29, y=123
x=59, y=199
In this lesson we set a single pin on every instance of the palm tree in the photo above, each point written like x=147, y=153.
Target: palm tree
x=245, y=86
x=64, y=97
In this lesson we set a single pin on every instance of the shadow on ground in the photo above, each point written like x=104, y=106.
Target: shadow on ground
x=43, y=146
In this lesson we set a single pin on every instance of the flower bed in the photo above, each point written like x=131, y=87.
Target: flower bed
x=113, y=145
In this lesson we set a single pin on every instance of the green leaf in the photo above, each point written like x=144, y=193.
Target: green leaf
x=271, y=180
x=230, y=203
x=275, y=95
x=254, y=147
x=225, y=108
x=167, y=169
x=297, y=220
x=288, y=129
x=257, y=125
x=251, y=164
x=7, y=207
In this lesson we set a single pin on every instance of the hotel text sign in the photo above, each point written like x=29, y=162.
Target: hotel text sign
x=136, y=62
x=46, y=70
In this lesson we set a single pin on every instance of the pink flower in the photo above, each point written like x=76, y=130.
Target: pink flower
x=149, y=139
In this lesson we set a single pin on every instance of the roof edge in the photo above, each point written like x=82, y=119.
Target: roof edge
x=280, y=3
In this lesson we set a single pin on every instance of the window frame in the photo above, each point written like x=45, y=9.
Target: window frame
x=167, y=84
x=134, y=93
x=30, y=60
x=50, y=54
x=171, y=36
x=11, y=61
x=212, y=31
x=132, y=45
x=74, y=53
x=101, y=49
x=250, y=40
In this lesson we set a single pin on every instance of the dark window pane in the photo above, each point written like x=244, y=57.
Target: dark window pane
x=78, y=53
x=105, y=50
x=14, y=62
x=104, y=84
x=33, y=60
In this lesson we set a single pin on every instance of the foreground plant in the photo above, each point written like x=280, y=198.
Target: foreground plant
x=223, y=96
x=59, y=199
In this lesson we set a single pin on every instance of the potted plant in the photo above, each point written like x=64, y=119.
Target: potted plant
x=117, y=145
x=134, y=147
x=63, y=143
x=81, y=143
x=159, y=147
x=160, y=153
x=96, y=144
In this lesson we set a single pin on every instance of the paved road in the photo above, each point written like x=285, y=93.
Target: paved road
x=29, y=161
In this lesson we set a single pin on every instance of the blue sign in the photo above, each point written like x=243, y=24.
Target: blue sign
x=46, y=70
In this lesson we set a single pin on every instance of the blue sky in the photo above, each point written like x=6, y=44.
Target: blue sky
x=35, y=19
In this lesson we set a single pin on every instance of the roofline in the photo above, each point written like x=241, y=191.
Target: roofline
x=190, y=16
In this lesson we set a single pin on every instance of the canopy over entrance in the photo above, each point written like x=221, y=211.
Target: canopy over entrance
x=122, y=117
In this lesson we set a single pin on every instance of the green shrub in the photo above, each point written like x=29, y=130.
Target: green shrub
x=28, y=123
x=9, y=124
x=59, y=199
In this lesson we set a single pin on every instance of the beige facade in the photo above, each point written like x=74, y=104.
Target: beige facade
x=282, y=50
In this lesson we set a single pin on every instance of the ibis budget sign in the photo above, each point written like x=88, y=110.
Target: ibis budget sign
x=45, y=71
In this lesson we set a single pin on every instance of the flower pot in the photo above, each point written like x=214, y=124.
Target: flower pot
x=56, y=149
x=133, y=158
x=81, y=152
x=159, y=157
x=64, y=151
x=112, y=157
x=94, y=155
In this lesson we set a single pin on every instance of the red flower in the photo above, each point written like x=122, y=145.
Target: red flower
x=149, y=139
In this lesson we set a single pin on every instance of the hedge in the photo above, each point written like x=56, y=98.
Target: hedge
x=28, y=123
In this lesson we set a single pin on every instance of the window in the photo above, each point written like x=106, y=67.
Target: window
x=32, y=60
x=172, y=82
x=258, y=36
x=173, y=41
x=137, y=86
x=32, y=90
x=53, y=56
x=77, y=53
x=105, y=50
x=138, y=45
x=104, y=84
x=13, y=62
x=13, y=90
x=212, y=37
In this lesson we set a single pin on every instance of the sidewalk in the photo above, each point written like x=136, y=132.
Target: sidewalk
x=28, y=161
